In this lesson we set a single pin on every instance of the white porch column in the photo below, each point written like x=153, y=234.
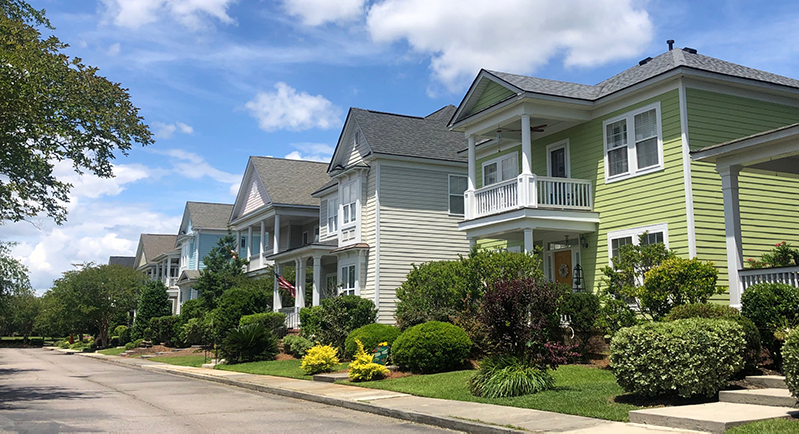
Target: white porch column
x=261, y=243
x=276, y=303
x=527, y=146
x=317, y=280
x=299, y=282
x=472, y=165
x=168, y=269
x=528, y=241
x=238, y=243
x=732, y=230
x=276, y=235
x=249, y=242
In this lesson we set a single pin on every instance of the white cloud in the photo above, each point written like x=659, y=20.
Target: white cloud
x=92, y=186
x=316, y=12
x=311, y=152
x=165, y=131
x=114, y=49
x=194, y=166
x=287, y=109
x=519, y=36
x=193, y=14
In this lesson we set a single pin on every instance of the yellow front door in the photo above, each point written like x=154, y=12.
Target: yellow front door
x=563, y=267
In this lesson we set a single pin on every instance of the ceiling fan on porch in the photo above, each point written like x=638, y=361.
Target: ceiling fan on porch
x=535, y=129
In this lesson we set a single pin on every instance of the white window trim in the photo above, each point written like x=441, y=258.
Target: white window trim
x=632, y=158
x=498, y=160
x=634, y=233
x=553, y=147
x=355, y=182
x=348, y=263
x=450, y=194
x=338, y=214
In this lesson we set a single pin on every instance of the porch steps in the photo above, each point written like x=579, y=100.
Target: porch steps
x=767, y=381
x=772, y=397
x=715, y=417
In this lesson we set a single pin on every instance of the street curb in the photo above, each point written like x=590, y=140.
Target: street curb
x=410, y=416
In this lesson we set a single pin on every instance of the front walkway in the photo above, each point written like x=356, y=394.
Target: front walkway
x=457, y=415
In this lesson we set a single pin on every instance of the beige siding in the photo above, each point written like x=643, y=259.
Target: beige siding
x=415, y=225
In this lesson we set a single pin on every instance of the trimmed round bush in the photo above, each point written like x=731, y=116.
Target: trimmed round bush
x=370, y=336
x=431, y=347
x=790, y=364
x=772, y=307
x=685, y=357
x=706, y=310
x=123, y=332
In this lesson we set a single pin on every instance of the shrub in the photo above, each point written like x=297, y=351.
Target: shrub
x=153, y=303
x=686, y=357
x=431, y=347
x=123, y=332
x=273, y=321
x=64, y=345
x=504, y=376
x=135, y=344
x=615, y=315
x=309, y=321
x=790, y=365
x=192, y=309
x=677, y=281
x=583, y=310
x=773, y=309
x=320, y=358
x=297, y=346
x=626, y=273
x=363, y=368
x=114, y=341
x=522, y=320
x=370, y=336
x=338, y=316
x=235, y=303
x=197, y=331
x=166, y=330
x=751, y=335
x=249, y=343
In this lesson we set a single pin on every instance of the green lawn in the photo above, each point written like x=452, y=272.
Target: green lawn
x=196, y=361
x=112, y=351
x=279, y=368
x=578, y=390
x=774, y=426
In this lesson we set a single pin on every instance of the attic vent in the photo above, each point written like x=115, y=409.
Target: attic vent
x=644, y=62
x=357, y=139
x=689, y=50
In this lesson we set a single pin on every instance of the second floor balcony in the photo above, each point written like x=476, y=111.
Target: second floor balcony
x=529, y=191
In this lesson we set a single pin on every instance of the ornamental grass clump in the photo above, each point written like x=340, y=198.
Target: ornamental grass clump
x=318, y=359
x=363, y=368
x=504, y=376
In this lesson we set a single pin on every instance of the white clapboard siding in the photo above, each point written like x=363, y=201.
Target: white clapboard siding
x=367, y=282
x=257, y=196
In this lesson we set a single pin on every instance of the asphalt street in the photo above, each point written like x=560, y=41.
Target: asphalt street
x=46, y=392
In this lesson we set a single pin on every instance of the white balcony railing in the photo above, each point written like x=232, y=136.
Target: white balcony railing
x=530, y=191
x=170, y=281
x=786, y=275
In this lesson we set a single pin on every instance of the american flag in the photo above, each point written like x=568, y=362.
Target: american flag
x=284, y=284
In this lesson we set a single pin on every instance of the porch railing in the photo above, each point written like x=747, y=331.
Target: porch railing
x=530, y=191
x=786, y=275
x=292, y=317
x=170, y=281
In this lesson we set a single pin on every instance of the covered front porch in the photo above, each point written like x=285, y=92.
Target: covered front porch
x=775, y=153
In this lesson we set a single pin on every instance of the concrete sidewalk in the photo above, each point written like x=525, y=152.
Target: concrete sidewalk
x=457, y=415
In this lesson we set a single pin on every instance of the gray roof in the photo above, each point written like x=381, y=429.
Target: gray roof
x=661, y=64
x=124, y=261
x=188, y=275
x=411, y=136
x=291, y=182
x=209, y=215
x=157, y=244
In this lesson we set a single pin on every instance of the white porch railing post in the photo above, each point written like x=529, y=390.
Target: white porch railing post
x=732, y=230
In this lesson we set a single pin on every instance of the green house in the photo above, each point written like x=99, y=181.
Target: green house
x=581, y=170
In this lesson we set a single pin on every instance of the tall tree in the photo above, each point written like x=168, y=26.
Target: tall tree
x=153, y=303
x=23, y=309
x=13, y=278
x=223, y=268
x=54, y=108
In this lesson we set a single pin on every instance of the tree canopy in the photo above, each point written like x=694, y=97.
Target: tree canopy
x=54, y=109
x=153, y=303
x=223, y=269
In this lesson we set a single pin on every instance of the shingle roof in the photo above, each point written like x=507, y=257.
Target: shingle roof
x=411, y=136
x=124, y=261
x=291, y=182
x=157, y=244
x=661, y=64
x=209, y=215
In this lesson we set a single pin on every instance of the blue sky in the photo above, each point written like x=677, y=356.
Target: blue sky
x=219, y=80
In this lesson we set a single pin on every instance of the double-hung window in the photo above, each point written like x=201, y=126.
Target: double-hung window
x=501, y=169
x=633, y=143
x=457, y=186
x=348, y=280
x=332, y=215
x=349, y=198
x=644, y=235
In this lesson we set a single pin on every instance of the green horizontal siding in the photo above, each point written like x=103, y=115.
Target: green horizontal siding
x=492, y=94
x=769, y=204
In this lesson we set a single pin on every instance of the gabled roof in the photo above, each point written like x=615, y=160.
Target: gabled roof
x=410, y=136
x=206, y=215
x=291, y=182
x=154, y=245
x=123, y=261
x=668, y=61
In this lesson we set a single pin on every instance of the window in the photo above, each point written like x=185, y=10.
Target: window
x=304, y=238
x=332, y=215
x=648, y=235
x=633, y=143
x=349, y=197
x=457, y=186
x=558, y=160
x=348, y=280
x=501, y=169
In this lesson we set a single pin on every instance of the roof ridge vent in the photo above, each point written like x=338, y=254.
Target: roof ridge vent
x=689, y=50
x=644, y=62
